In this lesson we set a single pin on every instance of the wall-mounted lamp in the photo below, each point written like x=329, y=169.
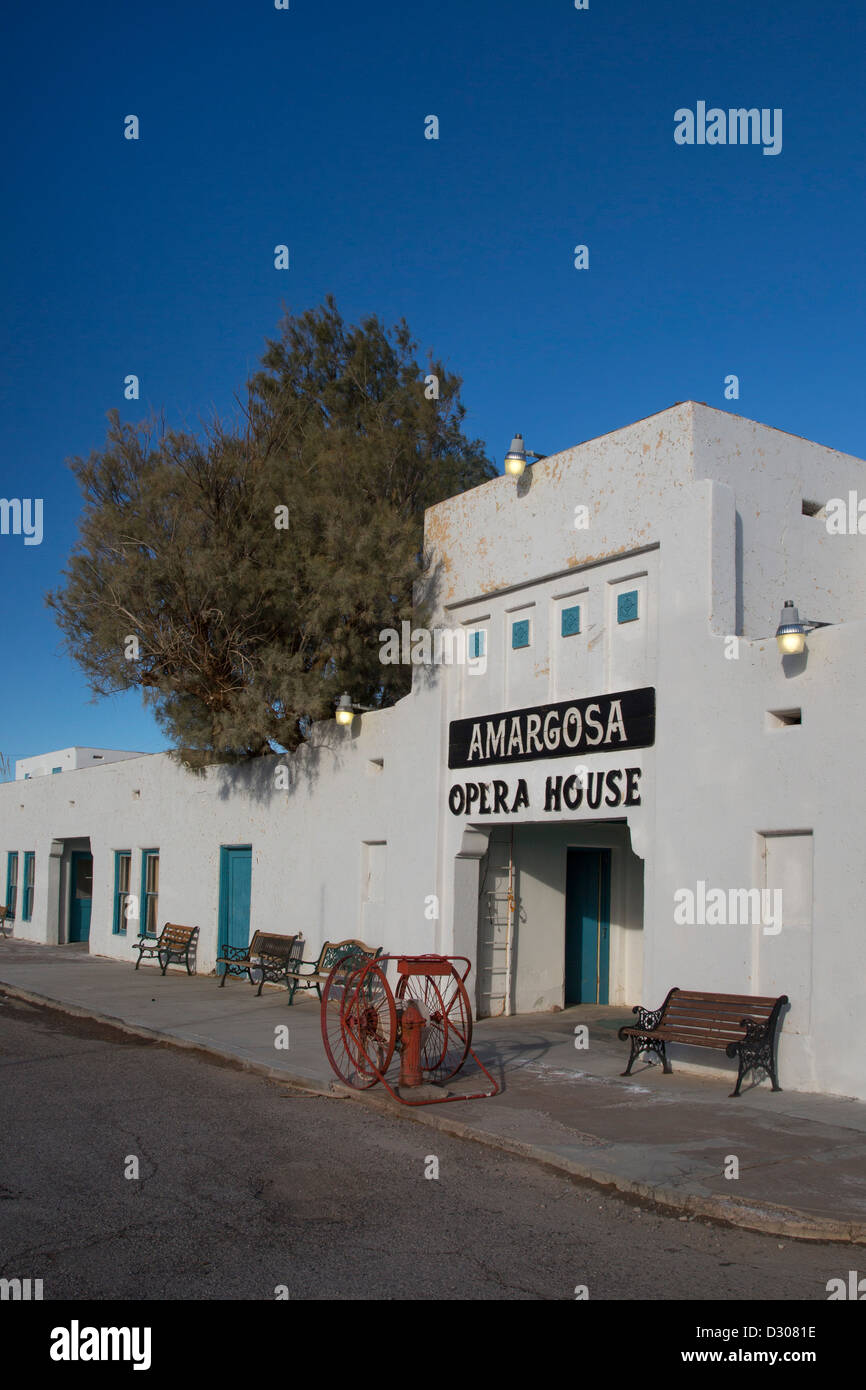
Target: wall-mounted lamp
x=347, y=709
x=792, y=630
x=515, y=460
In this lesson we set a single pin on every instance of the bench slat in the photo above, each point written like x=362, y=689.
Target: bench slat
x=680, y=1026
x=694, y=1040
x=726, y=998
x=705, y=1006
x=731, y=1020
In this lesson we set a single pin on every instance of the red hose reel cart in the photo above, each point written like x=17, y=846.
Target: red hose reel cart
x=427, y=1019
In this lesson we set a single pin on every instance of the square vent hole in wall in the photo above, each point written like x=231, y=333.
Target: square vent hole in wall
x=374, y=766
x=817, y=509
x=783, y=718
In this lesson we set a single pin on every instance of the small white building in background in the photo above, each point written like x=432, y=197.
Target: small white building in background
x=68, y=760
x=623, y=788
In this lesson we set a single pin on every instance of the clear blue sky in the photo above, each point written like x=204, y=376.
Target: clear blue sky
x=262, y=126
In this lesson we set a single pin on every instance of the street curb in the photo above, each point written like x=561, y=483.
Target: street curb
x=765, y=1218
x=157, y=1035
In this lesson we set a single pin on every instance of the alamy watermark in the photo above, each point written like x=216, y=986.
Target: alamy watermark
x=22, y=516
x=20, y=1290
x=440, y=646
x=846, y=518
x=736, y=126
x=714, y=907
x=77, y=1343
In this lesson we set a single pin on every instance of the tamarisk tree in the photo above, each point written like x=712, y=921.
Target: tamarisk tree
x=240, y=577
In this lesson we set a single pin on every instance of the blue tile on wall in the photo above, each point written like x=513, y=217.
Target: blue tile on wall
x=520, y=633
x=571, y=621
x=626, y=607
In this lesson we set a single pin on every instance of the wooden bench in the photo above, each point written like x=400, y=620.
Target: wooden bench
x=320, y=969
x=745, y=1025
x=6, y=915
x=269, y=954
x=173, y=942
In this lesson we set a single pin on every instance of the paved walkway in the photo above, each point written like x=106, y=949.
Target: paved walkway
x=802, y=1157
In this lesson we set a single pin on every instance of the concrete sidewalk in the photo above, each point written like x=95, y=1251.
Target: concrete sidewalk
x=802, y=1157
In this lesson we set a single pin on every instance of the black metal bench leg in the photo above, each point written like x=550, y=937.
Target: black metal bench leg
x=635, y=1052
x=773, y=1063
x=188, y=971
x=223, y=976
x=638, y=1046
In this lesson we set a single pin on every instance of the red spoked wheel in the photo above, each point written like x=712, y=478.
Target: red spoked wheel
x=447, y=1033
x=359, y=1022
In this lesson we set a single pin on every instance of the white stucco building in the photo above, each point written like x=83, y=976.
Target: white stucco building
x=625, y=788
x=67, y=760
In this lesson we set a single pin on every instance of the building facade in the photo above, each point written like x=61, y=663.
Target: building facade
x=68, y=760
x=612, y=784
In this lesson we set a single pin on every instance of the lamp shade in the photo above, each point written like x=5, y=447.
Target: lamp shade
x=515, y=459
x=344, y=712
x=791, y=633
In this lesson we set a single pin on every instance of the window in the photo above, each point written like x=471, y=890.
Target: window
x=29, y=878
x=57, y=769
x=122, y=871
x=571, y=621
x=476, y=644
x=520, y=634
x=12, y=881
x=149, y=890
x=626, y=607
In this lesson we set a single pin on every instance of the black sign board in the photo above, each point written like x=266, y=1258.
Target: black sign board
x=570, y=729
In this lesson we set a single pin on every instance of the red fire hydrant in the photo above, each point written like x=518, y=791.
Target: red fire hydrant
x=410, y=1056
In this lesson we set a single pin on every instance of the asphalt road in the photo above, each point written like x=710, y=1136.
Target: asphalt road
x=245, y=1185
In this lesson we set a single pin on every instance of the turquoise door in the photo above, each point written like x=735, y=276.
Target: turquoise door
x=80, y=895
x=587, y=926
x=236, y=864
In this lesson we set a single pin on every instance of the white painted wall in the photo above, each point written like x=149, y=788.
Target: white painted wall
x=704, y=511
x=301, y=880
x=699, y=510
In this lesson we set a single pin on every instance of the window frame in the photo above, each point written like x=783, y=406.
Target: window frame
x=146, y=856
x=119, y=919
x=28, y=888
x=12, y=884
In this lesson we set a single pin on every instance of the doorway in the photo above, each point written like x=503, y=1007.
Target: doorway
x=236, y=866
x=587, y=926
x=80, y=894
